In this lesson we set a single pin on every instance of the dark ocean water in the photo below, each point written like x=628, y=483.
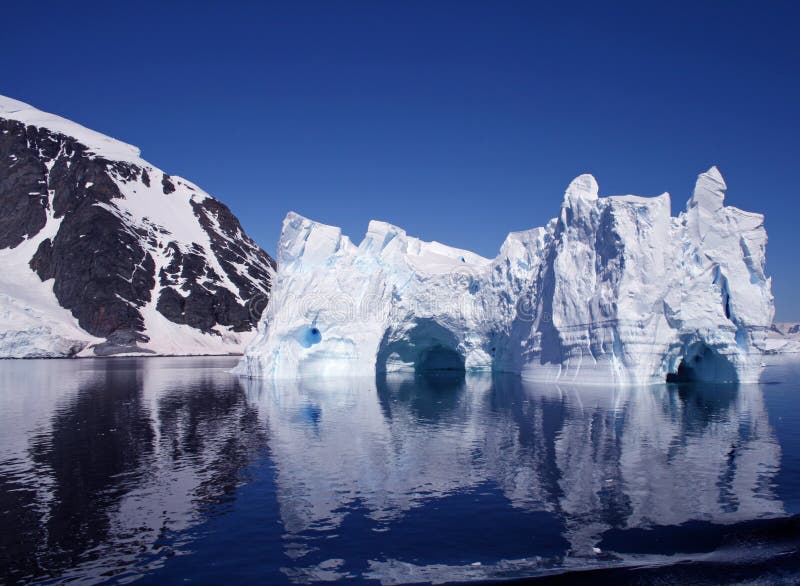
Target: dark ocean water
x=171, y=470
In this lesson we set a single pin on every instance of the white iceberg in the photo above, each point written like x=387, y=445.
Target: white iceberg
x=613, y=290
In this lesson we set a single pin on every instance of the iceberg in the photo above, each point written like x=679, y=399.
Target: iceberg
x=614, y=290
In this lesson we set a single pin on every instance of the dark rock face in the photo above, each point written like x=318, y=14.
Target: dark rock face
x=167, y=185
x=104, y=264
x=120, y=342
x=232, y=246
x=199, y=305
x=101, y=271
x=23, y=184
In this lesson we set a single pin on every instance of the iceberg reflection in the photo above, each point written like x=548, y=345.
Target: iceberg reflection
x=115, y=469
x=595, y=459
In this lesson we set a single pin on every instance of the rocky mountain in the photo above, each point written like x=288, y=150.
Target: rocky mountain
x=102, y=253
x=784, y=338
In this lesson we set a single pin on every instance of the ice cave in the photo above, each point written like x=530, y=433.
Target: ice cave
x=427, y=346
x=702, y=364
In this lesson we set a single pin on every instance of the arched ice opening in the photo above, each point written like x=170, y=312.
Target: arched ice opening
x=701, y=363
x=426, y=347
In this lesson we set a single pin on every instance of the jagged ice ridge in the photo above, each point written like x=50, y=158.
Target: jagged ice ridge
x=613, y=290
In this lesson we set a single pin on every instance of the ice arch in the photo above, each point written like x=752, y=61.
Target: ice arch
x=612, y=290
x=701, y=363
x=427, y=346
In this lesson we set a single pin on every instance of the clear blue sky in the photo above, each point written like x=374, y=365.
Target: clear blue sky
x=458, y=121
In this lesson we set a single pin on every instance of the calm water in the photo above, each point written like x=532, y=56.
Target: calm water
x=167, y=470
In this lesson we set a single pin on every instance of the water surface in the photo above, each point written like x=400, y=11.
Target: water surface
x=171, y=469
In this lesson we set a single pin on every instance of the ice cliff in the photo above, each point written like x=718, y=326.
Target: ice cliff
x=613, y=290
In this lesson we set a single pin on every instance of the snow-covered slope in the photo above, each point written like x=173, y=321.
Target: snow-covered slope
x=102, y=253
x=613, y=290
x=784, y=338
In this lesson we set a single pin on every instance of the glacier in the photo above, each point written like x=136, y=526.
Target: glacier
x=614, y=290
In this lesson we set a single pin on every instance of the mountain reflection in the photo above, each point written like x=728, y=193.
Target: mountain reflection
x=102, y=435
x=117, y=468
x=123, y=454
x=599, y=459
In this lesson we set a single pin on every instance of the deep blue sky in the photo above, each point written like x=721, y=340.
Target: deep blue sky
x=458, y=121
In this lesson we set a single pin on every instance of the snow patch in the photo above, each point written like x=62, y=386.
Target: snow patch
x=99, y=144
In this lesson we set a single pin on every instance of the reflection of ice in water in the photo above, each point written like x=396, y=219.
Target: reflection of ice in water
x=381, y=448
x=131, y=447
x=617, y=458
x=664, y=456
